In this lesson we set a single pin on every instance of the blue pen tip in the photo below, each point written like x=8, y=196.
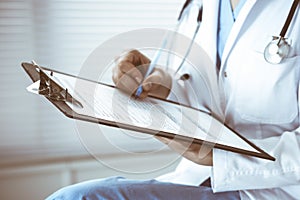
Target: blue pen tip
x=139, y=91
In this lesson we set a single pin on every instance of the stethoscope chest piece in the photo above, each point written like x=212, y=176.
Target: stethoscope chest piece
x=276, y=50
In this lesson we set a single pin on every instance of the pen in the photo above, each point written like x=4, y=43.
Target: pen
x=159, y=51
x=151, y=67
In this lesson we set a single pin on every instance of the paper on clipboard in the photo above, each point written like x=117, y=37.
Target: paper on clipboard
x=107, y=105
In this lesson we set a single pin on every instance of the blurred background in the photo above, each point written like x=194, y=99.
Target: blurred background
x=40, y=150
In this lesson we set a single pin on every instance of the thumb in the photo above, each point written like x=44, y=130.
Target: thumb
x=152, y=81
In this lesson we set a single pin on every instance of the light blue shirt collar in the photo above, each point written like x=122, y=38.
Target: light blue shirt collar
x=227, y=18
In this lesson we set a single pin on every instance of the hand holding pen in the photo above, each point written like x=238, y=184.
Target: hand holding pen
x=131, y=72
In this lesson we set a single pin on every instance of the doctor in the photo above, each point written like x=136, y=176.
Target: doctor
x=260, y=100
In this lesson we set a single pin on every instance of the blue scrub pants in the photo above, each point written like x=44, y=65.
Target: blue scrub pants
x=116, y=188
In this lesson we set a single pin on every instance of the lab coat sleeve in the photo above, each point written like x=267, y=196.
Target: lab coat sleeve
x=232, y=171
x=177, y=93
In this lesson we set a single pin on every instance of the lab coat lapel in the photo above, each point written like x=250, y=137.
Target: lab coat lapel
x=236, y=29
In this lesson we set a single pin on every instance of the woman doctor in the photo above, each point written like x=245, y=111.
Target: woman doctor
x=260, y=100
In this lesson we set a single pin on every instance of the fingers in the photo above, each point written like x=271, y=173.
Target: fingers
x=152, y=81
x=129, y=70
x=163, y=139
x=129, y=73
x=133, y=59
x=127, y=84
x=158, y=84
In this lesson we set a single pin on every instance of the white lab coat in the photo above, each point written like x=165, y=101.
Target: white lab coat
x=260, y=102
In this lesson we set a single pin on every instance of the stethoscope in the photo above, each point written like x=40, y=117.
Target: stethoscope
x=183, y=13
x=279, y=48
x=276, y=51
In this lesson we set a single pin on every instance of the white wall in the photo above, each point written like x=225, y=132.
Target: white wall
x=38, y=144
x=36, y=181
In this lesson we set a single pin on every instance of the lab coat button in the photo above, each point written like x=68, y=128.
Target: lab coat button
x=225, y=74
x=185, y=77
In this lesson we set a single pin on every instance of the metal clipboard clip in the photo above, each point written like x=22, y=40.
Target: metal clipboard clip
x=52, y=90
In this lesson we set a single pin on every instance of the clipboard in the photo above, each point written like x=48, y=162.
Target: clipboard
x=47, y=83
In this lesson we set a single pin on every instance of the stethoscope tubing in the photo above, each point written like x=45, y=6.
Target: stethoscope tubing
x=199, y=20
x=282, y=35
x=289, y=18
